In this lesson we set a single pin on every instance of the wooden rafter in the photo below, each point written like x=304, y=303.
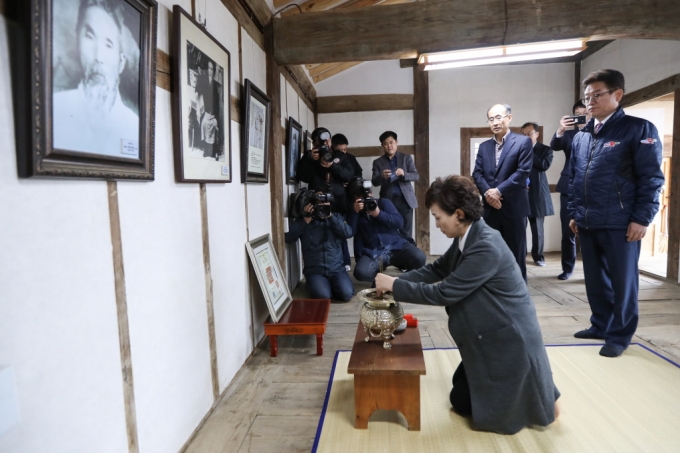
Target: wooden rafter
x=311, y=6
x=369, y=34
x=334, y=70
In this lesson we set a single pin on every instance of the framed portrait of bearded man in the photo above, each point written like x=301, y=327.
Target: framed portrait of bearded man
x=84, y=74
x=201, y=96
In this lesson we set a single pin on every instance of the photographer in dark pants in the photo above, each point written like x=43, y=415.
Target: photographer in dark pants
x=561, y=141
x=339, y=143
x=326, y=170
x=375, y=225
x=321, y=234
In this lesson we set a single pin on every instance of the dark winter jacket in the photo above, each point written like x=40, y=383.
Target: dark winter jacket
x=540, y=201
x=321, y=243
x=331, y=179
x=563, y=143
x=615, y=175
x=374, y=236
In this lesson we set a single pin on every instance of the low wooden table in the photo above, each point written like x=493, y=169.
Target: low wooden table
x=387, y=379
x=303, y=317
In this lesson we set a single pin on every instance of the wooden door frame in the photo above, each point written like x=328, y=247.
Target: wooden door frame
x=648, y=93
x=467, y=133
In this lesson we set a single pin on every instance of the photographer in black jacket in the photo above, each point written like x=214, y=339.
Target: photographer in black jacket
x=326, y=170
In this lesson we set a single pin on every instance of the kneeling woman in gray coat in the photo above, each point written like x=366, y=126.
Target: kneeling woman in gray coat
x=504, y=381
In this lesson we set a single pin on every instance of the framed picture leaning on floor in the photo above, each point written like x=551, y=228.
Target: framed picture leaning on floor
x=201, y=96
x=84, y=84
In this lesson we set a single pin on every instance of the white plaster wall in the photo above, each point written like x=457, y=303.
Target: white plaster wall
x=460, y=98
x=369, y=77
x=58, y=321
x=58, y=324
x=642, y=61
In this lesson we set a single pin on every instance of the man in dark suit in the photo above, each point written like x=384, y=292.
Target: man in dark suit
x=501, y=170
x=393, y=172
x=561, y=141
x=540, y=201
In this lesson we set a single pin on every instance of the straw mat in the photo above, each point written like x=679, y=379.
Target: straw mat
x=627, y=404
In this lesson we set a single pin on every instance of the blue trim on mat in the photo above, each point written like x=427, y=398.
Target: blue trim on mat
x=337, y=354
x=325, y=401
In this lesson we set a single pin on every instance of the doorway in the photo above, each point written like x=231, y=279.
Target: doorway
x=654, y=249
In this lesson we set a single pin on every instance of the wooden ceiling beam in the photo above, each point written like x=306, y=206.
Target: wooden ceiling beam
x=383, y=33
x=311, y=6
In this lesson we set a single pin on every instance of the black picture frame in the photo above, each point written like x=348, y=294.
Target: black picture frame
x=294, y=139
x=78, y=121
x=201, y=103
x=255, y=136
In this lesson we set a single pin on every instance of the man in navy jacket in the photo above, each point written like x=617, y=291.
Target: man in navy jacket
x=615, y=182
x=501, y=171
x=377, y=241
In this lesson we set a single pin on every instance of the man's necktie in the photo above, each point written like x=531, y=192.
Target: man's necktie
x=598, y=126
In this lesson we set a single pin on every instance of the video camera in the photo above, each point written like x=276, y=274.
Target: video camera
x=325, y=153
x=362, y=188
x=303, y=197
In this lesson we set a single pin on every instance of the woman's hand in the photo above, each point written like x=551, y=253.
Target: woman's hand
x=384, y=282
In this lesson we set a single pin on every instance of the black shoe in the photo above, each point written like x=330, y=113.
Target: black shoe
x=609, y=350
x=564, y=276
x=587, y=334
x=540, y=263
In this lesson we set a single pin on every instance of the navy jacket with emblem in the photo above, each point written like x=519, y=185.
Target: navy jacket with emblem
x=615, y=175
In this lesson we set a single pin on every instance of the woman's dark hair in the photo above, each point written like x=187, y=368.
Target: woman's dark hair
x=612, y=78
x=455, y=192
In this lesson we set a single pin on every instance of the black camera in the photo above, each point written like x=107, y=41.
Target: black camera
x=360, y=188
x=303, y=197
x=325, y=153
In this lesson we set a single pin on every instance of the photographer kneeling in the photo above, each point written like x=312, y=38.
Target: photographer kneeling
x=321, y=234
x=326, y=170
x=377, y=243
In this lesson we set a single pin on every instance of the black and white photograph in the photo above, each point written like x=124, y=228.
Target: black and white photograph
x=254, y=146
x=293, y=149
x=95, y=66
x=202, y=117
x=94, y=91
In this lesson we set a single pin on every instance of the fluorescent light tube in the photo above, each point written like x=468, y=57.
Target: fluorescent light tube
x=499, y=60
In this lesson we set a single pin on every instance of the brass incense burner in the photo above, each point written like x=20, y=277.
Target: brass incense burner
x=380, y=315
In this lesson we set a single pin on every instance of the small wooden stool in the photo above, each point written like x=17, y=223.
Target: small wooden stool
x=387, y=378
x=303, y=317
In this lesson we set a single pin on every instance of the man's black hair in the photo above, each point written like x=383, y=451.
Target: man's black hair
x=339, y=139
x=316, y=132
x=612, y=78
x=578, y=105
x=533, y=125
x=387, y=134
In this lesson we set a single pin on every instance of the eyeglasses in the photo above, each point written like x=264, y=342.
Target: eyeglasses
x=497, y=118
x=595, y=97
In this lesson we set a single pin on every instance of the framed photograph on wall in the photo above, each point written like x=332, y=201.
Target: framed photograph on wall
x=293, y=149
x=201, y=96
x=256, y=108
x=269, y=275
x=84, y=84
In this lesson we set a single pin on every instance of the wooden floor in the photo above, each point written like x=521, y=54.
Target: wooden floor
x=273, y=404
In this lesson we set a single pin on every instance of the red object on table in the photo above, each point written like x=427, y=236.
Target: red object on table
x=411, y=321
x=303, y=317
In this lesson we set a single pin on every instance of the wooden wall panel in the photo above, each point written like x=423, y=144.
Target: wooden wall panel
x=421, y=135
x=377, y=151
x=364, y=103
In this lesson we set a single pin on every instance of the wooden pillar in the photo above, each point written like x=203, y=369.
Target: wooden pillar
x=578, y=92
x=421, y=135
x=275, y=152
x=674, y=204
